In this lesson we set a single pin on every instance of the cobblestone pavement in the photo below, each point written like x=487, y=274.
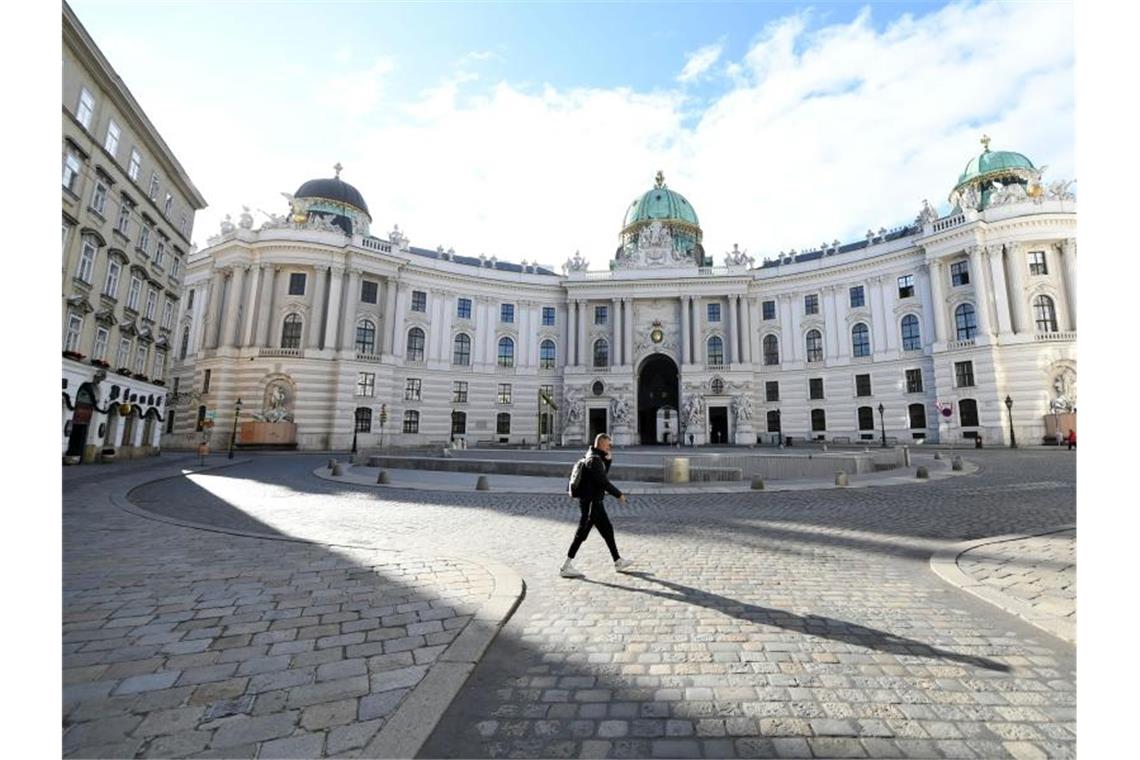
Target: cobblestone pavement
x=182, y=642
x=778, y=624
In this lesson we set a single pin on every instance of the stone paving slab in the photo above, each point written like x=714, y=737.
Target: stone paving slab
x=184, y=642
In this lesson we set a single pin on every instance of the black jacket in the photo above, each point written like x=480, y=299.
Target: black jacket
x=595, y=481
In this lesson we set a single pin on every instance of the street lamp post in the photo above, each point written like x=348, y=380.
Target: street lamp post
x=355, y=430
x=233, y=435
x=882, y=427
x=1009, y=408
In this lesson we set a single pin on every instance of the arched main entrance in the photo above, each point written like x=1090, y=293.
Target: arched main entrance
x=81, y=420
x=657, y=387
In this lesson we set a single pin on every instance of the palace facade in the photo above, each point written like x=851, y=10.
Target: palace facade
x=951, y=328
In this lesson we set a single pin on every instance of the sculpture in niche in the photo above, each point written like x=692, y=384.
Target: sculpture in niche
x=742, y=408
x=1064, y=390
x=276, y=405
x=573, y=406
x=620, y=408
x=692, y=410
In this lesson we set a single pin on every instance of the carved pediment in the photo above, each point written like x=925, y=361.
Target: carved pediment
x=80, y=304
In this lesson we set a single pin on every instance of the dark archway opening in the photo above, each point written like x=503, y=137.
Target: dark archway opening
x=81, y=420
x=656, y=387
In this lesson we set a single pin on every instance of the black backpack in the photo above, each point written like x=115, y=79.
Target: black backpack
x=575, y=485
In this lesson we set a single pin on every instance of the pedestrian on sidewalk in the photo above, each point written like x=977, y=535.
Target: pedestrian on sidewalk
x=1071, y=439
x=594, y=486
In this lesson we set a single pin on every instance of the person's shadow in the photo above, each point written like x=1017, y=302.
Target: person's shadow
x=814, y=625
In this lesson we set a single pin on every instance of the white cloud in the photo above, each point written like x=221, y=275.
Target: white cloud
x=822, y=134
x=699, y=62
x=356, y=92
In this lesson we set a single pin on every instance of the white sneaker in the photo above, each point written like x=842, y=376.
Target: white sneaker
x=622, y=565
x=569, y=571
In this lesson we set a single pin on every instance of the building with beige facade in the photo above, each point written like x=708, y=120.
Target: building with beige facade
x=950, y=329
x=128, y=211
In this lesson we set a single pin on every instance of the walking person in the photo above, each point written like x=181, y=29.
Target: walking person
x=594, y=486
x=1071, y=439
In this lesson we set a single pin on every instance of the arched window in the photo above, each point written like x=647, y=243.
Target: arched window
x=411, y=421
x=461, y=350
x=964, y=321
x=185, y=342
x=415, y=351
x=363, y=419
x=917, y=414
x=814, y=346
x=818, y=420
x=366, y=337
x=503, y=423
x=1044, y=314
x=771, y=350
x=774, y=421
x=291, y=331
x=459, y=423
x=866, y=418
x=860, y=340
x=715, y=351
x=911, y=336
x=968, y=412
x=506, y=352
x=199, y=424
x=546, y=355
x=601, y=353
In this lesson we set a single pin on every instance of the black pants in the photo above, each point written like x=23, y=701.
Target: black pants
x=593, y=515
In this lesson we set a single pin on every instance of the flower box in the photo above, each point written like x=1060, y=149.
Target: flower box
x=159, y=382
x=139, y=376
x=73, y=355
x=124, y=371
x=100, y=363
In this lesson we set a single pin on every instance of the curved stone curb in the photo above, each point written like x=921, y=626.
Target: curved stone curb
x=409, y=727
x=944, y=563
x=406, y=730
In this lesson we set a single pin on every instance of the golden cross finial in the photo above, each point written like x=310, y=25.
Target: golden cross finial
x=985, y=141
x=337, y=167
x=660, y=178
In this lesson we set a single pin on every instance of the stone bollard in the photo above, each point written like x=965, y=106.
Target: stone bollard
x=482, y=484
x=383, y=478
x=757, y=483
x=938, y=456
x=337, y=470
x=332, y=463
x=956, y=463
x=905, y=456
x=922, y=473
x=823, y=447
x=866, y=449
x=841, y=478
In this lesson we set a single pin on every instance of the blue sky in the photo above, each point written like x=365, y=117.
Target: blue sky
x=524, y=130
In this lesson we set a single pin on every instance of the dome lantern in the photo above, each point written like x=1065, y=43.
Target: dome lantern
x=333, y=197
x=660, y=225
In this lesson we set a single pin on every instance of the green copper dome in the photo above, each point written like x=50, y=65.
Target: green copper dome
x=660, y=203
x=993, y=163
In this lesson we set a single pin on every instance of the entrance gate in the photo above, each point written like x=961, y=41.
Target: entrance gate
x=81, y=420
x=656, y=388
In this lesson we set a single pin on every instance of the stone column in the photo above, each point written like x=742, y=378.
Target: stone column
x=351, y=298
x=1015, y=271
x=617, y=330
x=879, y=286
x=316, y=317
x=526, y=334
x=753, y=307
x=571, y=333
x=399, y=309
x=233, y=299
x=265, y=304
x=1068, y=250
x=1001, y=292
x=583, y=349
x=927, y=301
x=137, y=433
x=627, y=320
x=686, y=330
x=443, y=327
x=737, y=336
x=888, y=339
x=214, y=308
x=389, y=330
x=938, y=300
x=156, y=431
x=117, y=436
x=981, y=291
x=252, y=303
x=334, y=307
x=789, y=332
x=830, y=322
x=843, y=343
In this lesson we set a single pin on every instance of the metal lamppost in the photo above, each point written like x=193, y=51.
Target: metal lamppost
x=355, y=429
x=1009, y=408
x=233, y=435
x=383, y=419
x=882, y=427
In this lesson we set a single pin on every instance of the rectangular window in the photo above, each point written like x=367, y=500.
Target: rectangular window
x=463, y=308
x=503, y=424
x=99, y=197
x=140, y=360
x=102, y=338
x=175, y=266
x=963, y=374
x=1036, y=263
x=151, y=305
x=419, y=301
x=124, y=354
x=856, y=296
x=866, y=418
x=906, y=286
x=914, y=381
x=74, y=333
x=411, y=421
x=167, y=205
x=507, y=312
x=160, y=251
x=123, y=223
x=769, y=309
x=135, y=165
x=369, y=291
x=111, y=286
x=547, y=316
x=144, y=238
x=811, y=304
x=153, y=191
x=818, y=420
x=459, y=423
x=133, y=294
x=167, y=313
x=960, y=273
x=70, y=169
x=159, y=364
x=815, y=387
x=772, y=390
x=86, y=108
x=459, y=391
x=601, y=313
x=714, y=312
x=206, y=382
x=504, y=396
x=862, y=385
x=86, y=259
x=412, y=389
x=296, y=283
x=111, y=143
x=365, y=384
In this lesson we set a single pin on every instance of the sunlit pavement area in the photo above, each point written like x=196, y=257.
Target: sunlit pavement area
x=797, y=623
